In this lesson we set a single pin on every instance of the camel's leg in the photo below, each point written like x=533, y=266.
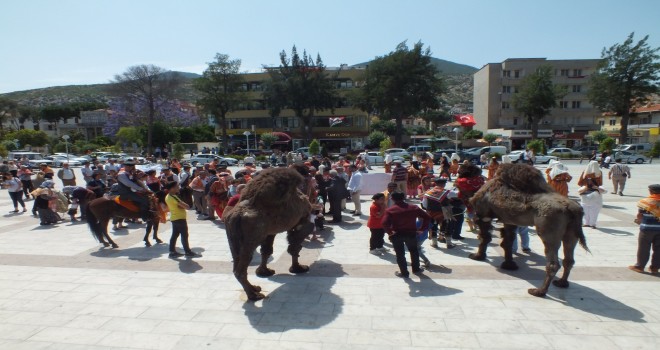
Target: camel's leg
x=508, y=235
x=146, y=239
x=266, y=252
x=241, y=263
x=570, y=242
x=551, y=265
x=485, y=237
x=296, y=236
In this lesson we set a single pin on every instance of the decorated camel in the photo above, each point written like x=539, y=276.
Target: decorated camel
x=271, y=202
x=519, y=196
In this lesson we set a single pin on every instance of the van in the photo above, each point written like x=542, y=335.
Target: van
x=418, y=149
x=490, y=150
x=635, y=147
x=18, y=155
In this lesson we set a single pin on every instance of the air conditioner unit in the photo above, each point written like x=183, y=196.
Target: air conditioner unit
x=287, y=129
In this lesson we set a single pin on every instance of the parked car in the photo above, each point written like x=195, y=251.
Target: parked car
x=587, y=150
x=375, y=158
x=208, y=158
x=538, y=158
x=635, y=147
x=398, y=152
x=437, y=154
x=563, y=152
x=58, y=160
x=418, y=149
x=630, y=157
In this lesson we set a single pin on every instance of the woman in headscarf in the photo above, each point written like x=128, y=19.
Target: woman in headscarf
x=558, y=177
x=591, y=199
x=591, y=172
x=492, y=167
x=453, y=167
x=414, y=179
x=44, y=197
x=444, y=167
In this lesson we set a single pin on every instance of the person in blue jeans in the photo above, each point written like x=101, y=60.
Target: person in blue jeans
x=523, y=232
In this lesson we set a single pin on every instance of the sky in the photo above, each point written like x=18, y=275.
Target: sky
x=69, y=42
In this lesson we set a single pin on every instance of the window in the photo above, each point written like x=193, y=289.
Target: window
x=563, y=104
x=506, y=73
x=506, y=89
x=601, y=123
x=505, y=105
x=563, y=72
x=515, y=89
x=612, y=121
x=577, y=72
x=515, y=121
x=577, y=88
x=516, y=74
x=575, y=104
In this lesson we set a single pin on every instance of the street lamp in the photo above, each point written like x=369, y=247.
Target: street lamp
x=247, y=141
x=66, y=146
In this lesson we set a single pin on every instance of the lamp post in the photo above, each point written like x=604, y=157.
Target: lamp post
x=456, y=130
x=66, y=146
x=247, y=141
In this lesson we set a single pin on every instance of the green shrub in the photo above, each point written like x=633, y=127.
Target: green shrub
x=607, y=144
x=314, y=147
x=538, y=146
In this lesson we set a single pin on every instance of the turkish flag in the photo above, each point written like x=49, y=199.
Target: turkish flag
x=466, y=120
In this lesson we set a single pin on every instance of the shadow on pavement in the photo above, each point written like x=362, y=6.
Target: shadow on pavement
x=301, y=302
x=426, y=287
x=594, y=302
x=613, y=232
x=136, y=253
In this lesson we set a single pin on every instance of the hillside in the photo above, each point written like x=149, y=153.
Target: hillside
x=445, y=67
x=458, y=77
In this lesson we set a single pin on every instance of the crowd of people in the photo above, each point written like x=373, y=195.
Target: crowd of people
x=417, y=204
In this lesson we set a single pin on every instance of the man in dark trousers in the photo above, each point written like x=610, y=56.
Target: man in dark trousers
x=400, y=223
x=336, y=192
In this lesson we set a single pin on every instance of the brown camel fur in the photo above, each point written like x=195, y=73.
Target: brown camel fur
x=519, y=196
x=270, y=203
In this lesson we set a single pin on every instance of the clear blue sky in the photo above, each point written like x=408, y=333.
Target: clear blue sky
x=64, y=42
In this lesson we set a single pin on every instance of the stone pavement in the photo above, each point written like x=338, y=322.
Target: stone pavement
x=60, y=290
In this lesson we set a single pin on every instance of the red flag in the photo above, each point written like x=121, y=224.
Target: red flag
x=466, y=120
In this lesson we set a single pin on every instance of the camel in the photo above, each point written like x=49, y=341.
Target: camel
x=270, y=203
x=519, y=196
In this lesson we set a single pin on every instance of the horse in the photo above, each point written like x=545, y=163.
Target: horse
x=519, y=196
x=101, y=210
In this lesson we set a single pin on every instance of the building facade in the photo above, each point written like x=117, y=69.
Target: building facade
x=643, y=126
x=344, y=128
x=567, y=124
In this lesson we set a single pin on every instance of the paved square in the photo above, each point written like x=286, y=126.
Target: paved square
x=60, y=290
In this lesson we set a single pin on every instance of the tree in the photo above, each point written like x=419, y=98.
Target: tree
x=627, y=74
x=149, y=85
x=268, y=139
x=599, y=136
x=537, y=96
x=401, y=84
x=314, y=147
x=28, y=137
x=386, y=126
x=385, y=145
x=537, y=146
x=302, y=85
x=128, y=135
x=8, y=111
x=376, y=137
x=473, y=134
x=607, y=144
x=490, y=138
x=131, y=111
x=178, y=150
x=220, y=87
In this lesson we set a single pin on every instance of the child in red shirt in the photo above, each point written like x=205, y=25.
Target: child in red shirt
x=375, y=224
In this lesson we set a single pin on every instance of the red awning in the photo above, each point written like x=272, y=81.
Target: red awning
x=282, y=138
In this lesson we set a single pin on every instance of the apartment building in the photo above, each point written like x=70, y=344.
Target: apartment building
x=643, y=126
x=344, y=128
x=567, y=125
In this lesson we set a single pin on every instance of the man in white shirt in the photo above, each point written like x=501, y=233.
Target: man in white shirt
x=112, y=166
x=355, y=187
x=87, y=172
x=67, y=175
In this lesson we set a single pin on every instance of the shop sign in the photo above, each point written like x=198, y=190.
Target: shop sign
x=337, y=134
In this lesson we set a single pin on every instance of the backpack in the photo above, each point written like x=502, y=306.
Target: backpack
x=207, y=188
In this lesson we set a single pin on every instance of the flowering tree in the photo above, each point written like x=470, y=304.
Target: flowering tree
x=134, y=112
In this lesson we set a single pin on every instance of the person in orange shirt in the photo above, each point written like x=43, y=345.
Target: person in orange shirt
x=558, y=177
x=492, y=167
x=375, y=224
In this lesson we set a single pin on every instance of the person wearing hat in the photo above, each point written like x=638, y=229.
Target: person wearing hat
x=130, y=188
x=492, y=167
x=648, y=219
x=41, y=204
x=167, y=176
x=400, y=175
x=400, y=223
x=67, y=175
x=96, y=185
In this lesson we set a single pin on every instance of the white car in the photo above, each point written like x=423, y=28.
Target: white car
x=375, y=158
x=58, y=160
x=563, y=152
x=538, y=159
x=398, y=152
x=631, y=157
x=205, y=158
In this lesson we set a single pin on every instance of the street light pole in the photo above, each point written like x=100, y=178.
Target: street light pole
x=247, y=141
x=456, y=130
x=66, y=146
